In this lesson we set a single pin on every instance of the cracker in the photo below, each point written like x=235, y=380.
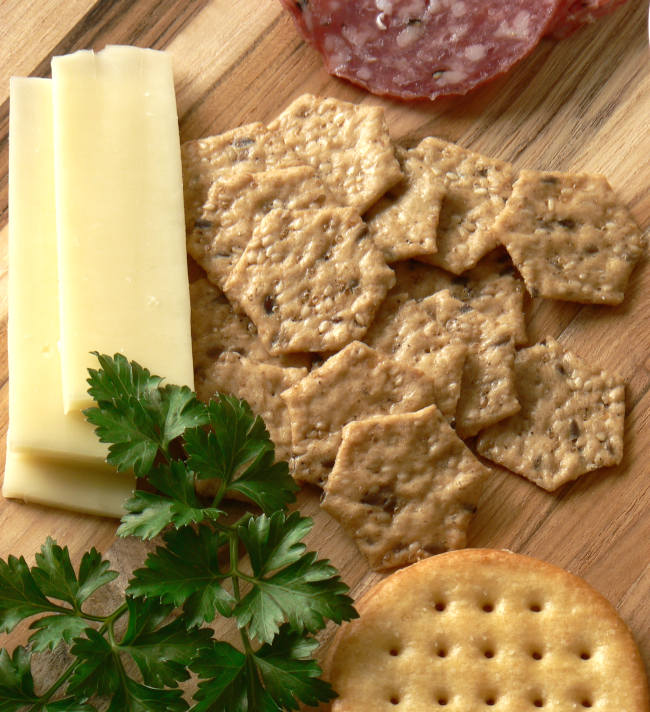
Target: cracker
x=476, y=189
x=407, y=333
x=235, y=205
x=216, y=328
x=347, y=144
x=404, y=487
x=310, y=280
x=403, y=222
x=354, y=384
x=248, y=148
x=260, y=384
x=476, y=629
x=570, y=237
x=491, y=288
x=487, y=392
x=570, y=423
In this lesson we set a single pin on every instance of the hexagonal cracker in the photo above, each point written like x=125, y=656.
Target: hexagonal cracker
x=404, y=487
x=310, y=280
x=570, y=423
x=354, y=384
x=407, y=333
x=216, y=328
x=476, y=190
x=487, y=392
x=491, y=288
x=237, y=203
x=348, y=145
x=403, y=222
x=570, y=237
x=248, y=148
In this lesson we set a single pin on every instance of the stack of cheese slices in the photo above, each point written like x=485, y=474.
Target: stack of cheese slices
x=97, y=261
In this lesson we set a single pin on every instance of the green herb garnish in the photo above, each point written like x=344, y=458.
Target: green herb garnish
x=136, y=656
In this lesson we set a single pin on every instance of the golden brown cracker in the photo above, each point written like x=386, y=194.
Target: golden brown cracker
x=487, y=392
x=248, y=148
x=570, y=237
x=403, y=222
x=491, y=288
x=354, y=384
x=476, y=190
x=236, y=204
x=570, y=423
x=348, y=145
x=407, y=332
x=404, y=487
x=310, y=280
x=478, y=629
x=216, y=328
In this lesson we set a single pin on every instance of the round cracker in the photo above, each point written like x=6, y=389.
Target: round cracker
x=480, y=629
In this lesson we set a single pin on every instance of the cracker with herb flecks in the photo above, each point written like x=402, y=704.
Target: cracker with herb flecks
x=248, y=148
x=570, y=237
x=406, y=332
x=260, y=384
x=404, y=487
x=476, y=189
x=310, y=280
x=403, y=222
x=570, y=423
x=348, y=145
x=354, y=384
x=491, y=288
x=216, y=328
x=487, y=392
x=235, y=205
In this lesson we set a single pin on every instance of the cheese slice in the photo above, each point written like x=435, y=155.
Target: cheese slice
x=52, y=458
x=38, y=424
x=119, y=209
x=81, y=488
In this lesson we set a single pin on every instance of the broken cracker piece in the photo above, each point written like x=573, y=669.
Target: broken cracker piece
x=235, y=205
x=404, y=487
x=260, y=384
x=310, y=280
x=348, y=145
x=407, y=333
x=476, y=189
x=570, y=237
x=246, y=148
x=354, y=384
x=403, y=222
x=487, y=392
x=570, y=423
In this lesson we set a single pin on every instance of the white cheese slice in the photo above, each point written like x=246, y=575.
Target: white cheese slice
x=119, y=208
x=38, y=424
x=82, y=488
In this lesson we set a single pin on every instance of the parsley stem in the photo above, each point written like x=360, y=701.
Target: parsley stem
x=47, y=695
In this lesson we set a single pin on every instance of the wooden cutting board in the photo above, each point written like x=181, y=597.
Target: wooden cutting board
x=580, y=104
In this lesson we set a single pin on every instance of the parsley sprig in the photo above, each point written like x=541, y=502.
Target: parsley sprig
x=135, y=657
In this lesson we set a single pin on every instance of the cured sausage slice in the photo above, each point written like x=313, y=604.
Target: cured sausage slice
x=422, y=48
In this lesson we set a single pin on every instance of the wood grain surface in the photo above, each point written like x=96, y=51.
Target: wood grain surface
x=582, y=104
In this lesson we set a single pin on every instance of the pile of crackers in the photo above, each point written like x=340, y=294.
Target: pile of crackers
x=367, y=300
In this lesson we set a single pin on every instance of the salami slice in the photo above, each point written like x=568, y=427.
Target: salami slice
x=578, y=13
x=423, y=48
